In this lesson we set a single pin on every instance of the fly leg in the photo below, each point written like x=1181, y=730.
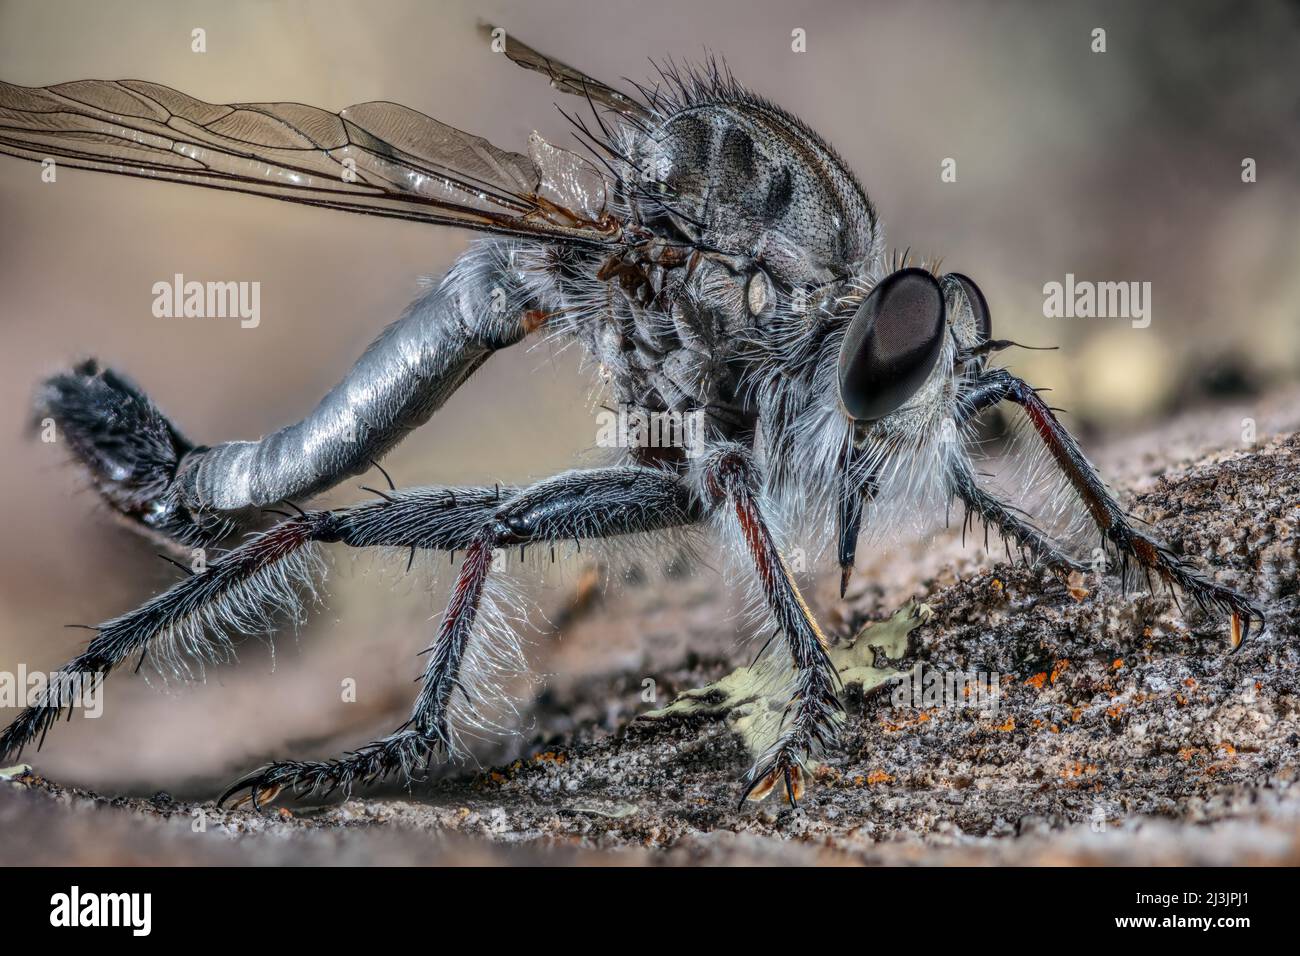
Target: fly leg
x=245, y=590
x=253, y=587
x=165, y=485
x=573, y=506
x=250, y=589
x=416, y=742
x=1003, y=518
x=813, y=716
x=1132, y=545
x=401, y=380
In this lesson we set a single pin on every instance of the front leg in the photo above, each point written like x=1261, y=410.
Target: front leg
x=1002, y=518
x=811, y=721
x=1131, y=544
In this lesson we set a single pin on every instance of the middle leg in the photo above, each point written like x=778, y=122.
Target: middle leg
x=573, y=506
x=812, y=719
x=255, y=586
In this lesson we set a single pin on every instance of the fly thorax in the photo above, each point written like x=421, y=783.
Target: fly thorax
x=745, y=178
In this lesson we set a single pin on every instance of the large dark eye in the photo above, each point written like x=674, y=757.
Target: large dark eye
x=892, y=344
x=979, y=307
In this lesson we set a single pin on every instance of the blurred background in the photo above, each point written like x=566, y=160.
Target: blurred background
x=1117, y=166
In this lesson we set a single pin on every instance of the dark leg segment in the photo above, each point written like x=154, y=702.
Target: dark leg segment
x=1014, y=528
x=250, y=583
x=248, y=587
x=576, y=505
x=409, y=748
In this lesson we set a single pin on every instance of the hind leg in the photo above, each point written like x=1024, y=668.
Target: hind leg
x=150, y=474
x=129, y=449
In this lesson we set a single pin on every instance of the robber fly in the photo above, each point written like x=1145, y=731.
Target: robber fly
x=714, y=256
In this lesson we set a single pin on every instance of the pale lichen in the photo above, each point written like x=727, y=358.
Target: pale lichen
x=745, y=697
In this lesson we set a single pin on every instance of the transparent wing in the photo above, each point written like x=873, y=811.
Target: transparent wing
x=379, y=159
x=565, y=78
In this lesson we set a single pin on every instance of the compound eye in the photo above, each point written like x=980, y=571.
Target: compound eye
x=979, y=307
x=892, y=344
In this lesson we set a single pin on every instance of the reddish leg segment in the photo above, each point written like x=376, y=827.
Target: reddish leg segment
x=1130, y=544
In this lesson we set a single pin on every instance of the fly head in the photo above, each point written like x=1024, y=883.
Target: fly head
x=890, y=357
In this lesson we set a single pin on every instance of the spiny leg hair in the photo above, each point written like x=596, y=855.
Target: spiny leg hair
x=1014, y=528
x=1129, y=543
x=572, y=506
x=812, y=719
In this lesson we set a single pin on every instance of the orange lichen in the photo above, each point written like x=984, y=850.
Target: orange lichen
x=1037, y=681
x=1058, y=668
x=825, y=774
x=1073, y=771
x=879, y=776
x=920, y=718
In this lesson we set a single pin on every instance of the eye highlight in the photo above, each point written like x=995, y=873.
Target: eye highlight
x=892, y=344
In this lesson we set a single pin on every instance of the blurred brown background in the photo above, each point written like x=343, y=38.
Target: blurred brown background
x=1122, y=166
